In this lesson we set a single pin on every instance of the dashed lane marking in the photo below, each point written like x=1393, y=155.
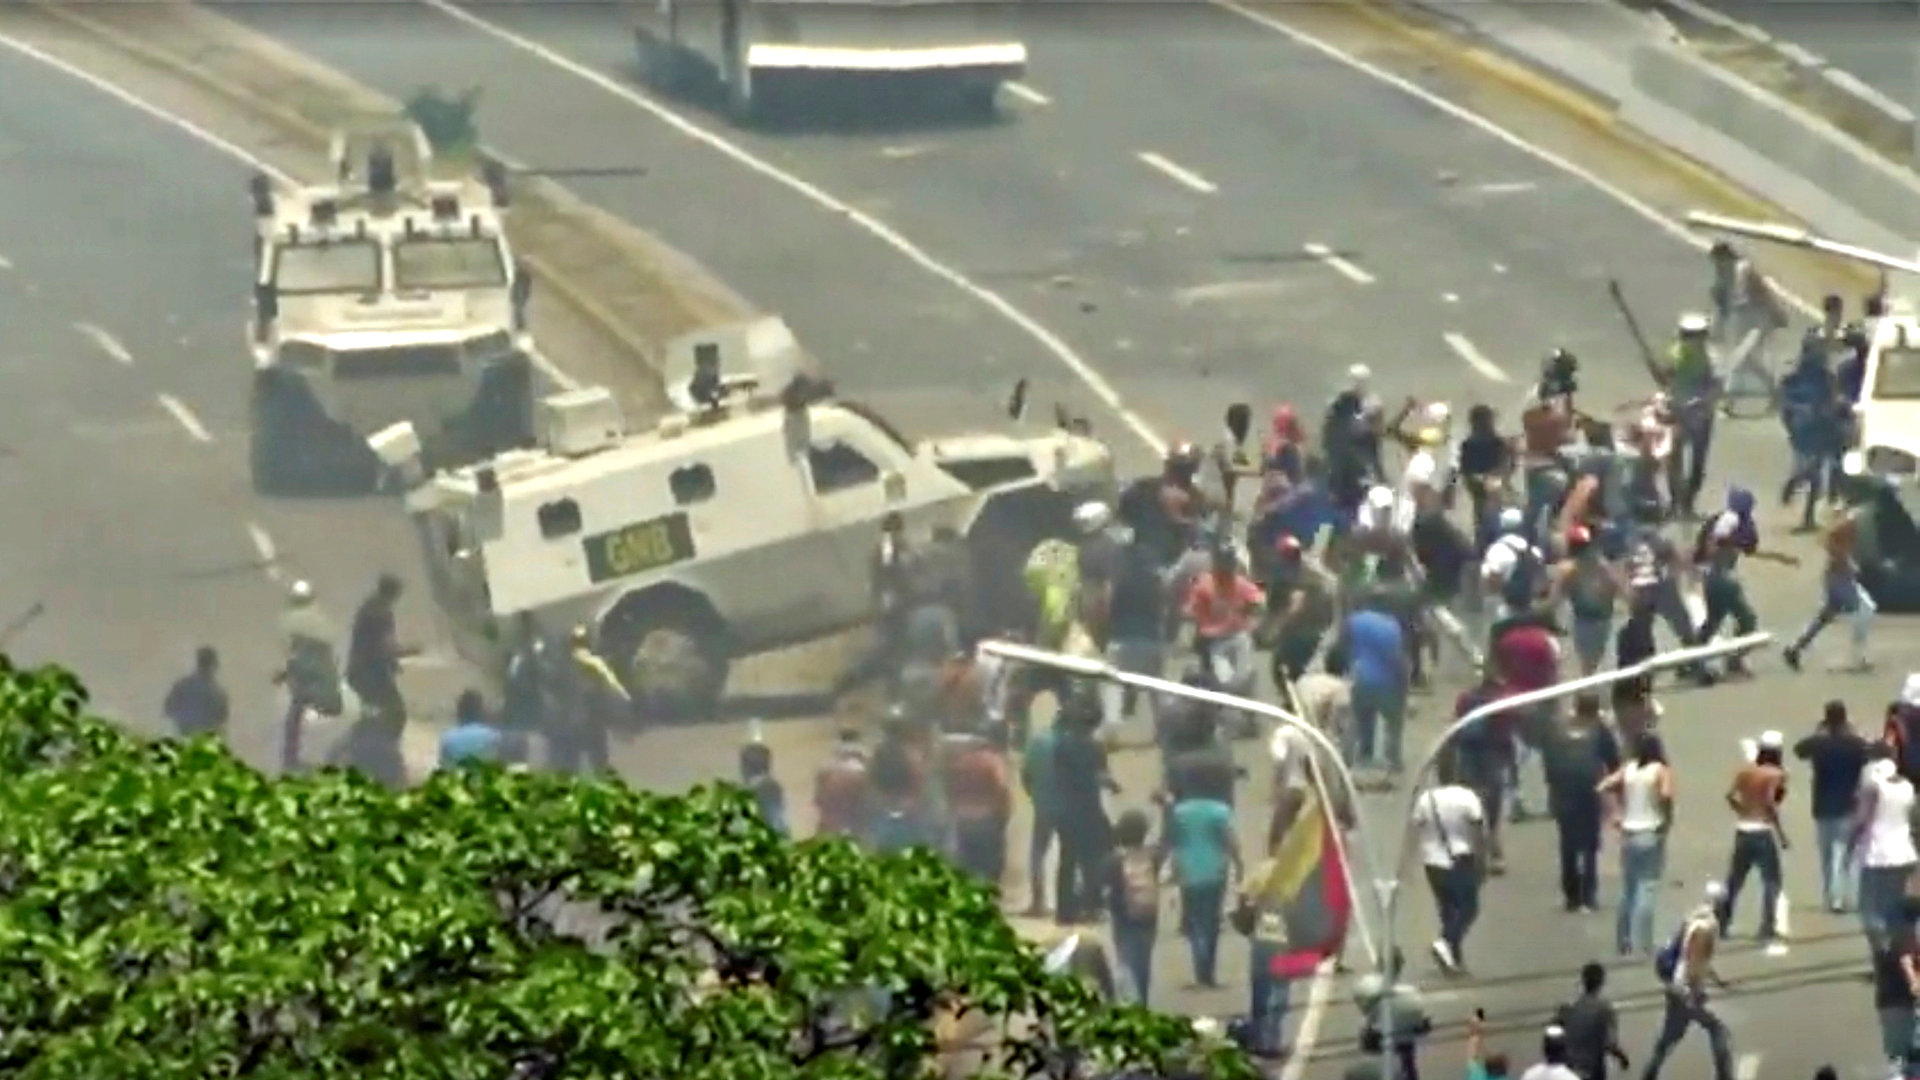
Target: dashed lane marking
x=1054, y=345
x=197, y=430
x=107, y=342
x=1341, y=265
x=1177, y=172
x=5, y=263
x=1027, y=94
x=1510, y=187
x=264, y=547
x=1747, y=1067
x=1465, y=349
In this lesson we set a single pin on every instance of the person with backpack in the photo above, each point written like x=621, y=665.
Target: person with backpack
x=1133, y=901
x=1512, y=569
x=1685, y=965
x=1722, y=541
x=1592, y=588
x=1205, y=854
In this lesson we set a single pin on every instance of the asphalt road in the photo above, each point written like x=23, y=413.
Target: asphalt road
x=1877, y=40
x=1186, y=287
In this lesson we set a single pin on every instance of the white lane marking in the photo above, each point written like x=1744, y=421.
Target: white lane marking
x=107, y=342
x=1451, y=298
x=1177, y=172
x=902, y=153
x=1223, y=291
x=1319, y=994
x=1466, y=350
x=264, y=547
x=1510, y=187
x=1027, y=93
x=1499, y=268
x=192, y=423
x=1055, y=346
x=5, y=263
x=208, y=138
x=1747, y=1067
x=1340, y=264
x=1676, y=229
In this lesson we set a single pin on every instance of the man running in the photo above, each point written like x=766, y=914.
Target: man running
x=1685, y=967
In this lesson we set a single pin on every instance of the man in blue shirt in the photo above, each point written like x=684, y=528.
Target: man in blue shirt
x=1374, y=644
x=472, y=738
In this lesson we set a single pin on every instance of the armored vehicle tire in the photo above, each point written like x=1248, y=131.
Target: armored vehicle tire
x=672, y=652
x=274, y=450
x=502, y=414
x=981, y=102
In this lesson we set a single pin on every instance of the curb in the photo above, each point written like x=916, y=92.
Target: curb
x=1412, y=21
x=570, y=294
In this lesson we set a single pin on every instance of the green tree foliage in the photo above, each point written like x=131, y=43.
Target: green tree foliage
x=166, y=912
x=446, y=121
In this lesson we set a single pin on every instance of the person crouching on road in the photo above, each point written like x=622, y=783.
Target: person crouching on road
x=1452, y=826
x=1578, y=757
x=1755, y=796
x=756, y=773
x=473, y=739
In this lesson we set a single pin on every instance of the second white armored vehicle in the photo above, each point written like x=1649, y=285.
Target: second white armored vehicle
x=783, y=58
x=742, y=529
x=387, y=295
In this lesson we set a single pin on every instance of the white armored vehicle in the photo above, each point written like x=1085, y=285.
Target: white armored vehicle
x=780, y=57
x=741, y=529
x=387, y=295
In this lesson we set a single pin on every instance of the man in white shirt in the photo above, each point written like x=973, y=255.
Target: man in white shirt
x=1883, y=837
x=1452, y=828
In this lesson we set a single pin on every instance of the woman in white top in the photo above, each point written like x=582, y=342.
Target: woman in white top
x=1640, y=802
x=1883, y=835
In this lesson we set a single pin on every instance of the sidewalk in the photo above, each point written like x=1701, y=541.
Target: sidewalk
x=1590, y=45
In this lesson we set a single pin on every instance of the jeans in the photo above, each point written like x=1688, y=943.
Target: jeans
x=1201, y=909
x=1839, y=599
x=1379, y=720
x=1809, y=469
x=1727, y=598
x=1579, y=856
x=1039, y=843
x=1685, y=1011
x=1546, y=489
x=1687, y=463
x=1643, y=863
x=1760, y=851
x=1590, y=639
x=1136, y=656
x=1896, y=1032
x=1839, y=869
x=1456, y=896
x=1882, y=891
x=1269, y=998
x=1133, y=947
x=1230, y=660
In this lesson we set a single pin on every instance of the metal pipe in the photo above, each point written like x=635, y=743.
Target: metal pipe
x=1652, y=665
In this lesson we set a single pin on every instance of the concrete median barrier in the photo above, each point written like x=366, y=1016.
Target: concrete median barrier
x=1806, y=144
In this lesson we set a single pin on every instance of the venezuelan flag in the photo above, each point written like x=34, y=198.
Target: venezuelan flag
x=1304, y=899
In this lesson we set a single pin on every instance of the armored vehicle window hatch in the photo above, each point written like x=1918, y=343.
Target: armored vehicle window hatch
x=837, y=467
x=338, y=266
x=691, y=484
x=559, y=518
x=452, y=262
x=1898, y=375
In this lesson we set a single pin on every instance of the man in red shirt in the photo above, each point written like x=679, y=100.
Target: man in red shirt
x=980, y=802
x=843, y=791
x=1526, y=656
x=1224, y=605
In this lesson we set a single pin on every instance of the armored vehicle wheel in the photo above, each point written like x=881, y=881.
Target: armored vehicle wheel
x=502, y=414
x=981, y=102
x=274, y=452
x=672, y=651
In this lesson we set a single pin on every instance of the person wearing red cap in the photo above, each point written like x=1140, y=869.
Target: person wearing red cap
x=1592, y=588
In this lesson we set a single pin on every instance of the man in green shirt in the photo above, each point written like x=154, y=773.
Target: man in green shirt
x=1686, y=374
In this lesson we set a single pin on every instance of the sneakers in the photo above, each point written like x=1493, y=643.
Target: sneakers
x=1792, y=656
x=1443, y=955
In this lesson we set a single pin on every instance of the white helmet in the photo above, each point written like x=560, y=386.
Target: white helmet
x=1511, y=519
x=1693, y=323
x=1380, y=498
x=300, y=593
x=1437, y=414
x=1091, y=517
x=1359, y=375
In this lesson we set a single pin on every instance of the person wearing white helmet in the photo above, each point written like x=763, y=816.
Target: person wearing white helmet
x=1686, y=375
x=311, y=672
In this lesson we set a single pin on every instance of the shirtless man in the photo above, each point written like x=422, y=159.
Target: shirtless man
x=1754, y=797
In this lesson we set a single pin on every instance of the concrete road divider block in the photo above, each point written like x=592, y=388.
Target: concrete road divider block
x=1797, y=139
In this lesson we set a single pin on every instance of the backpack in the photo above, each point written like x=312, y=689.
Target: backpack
x=1667, y=961
x=1140, y=880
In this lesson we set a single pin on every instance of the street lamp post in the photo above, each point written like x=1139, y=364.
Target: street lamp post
x=1390, y=888
x=1328, y=752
